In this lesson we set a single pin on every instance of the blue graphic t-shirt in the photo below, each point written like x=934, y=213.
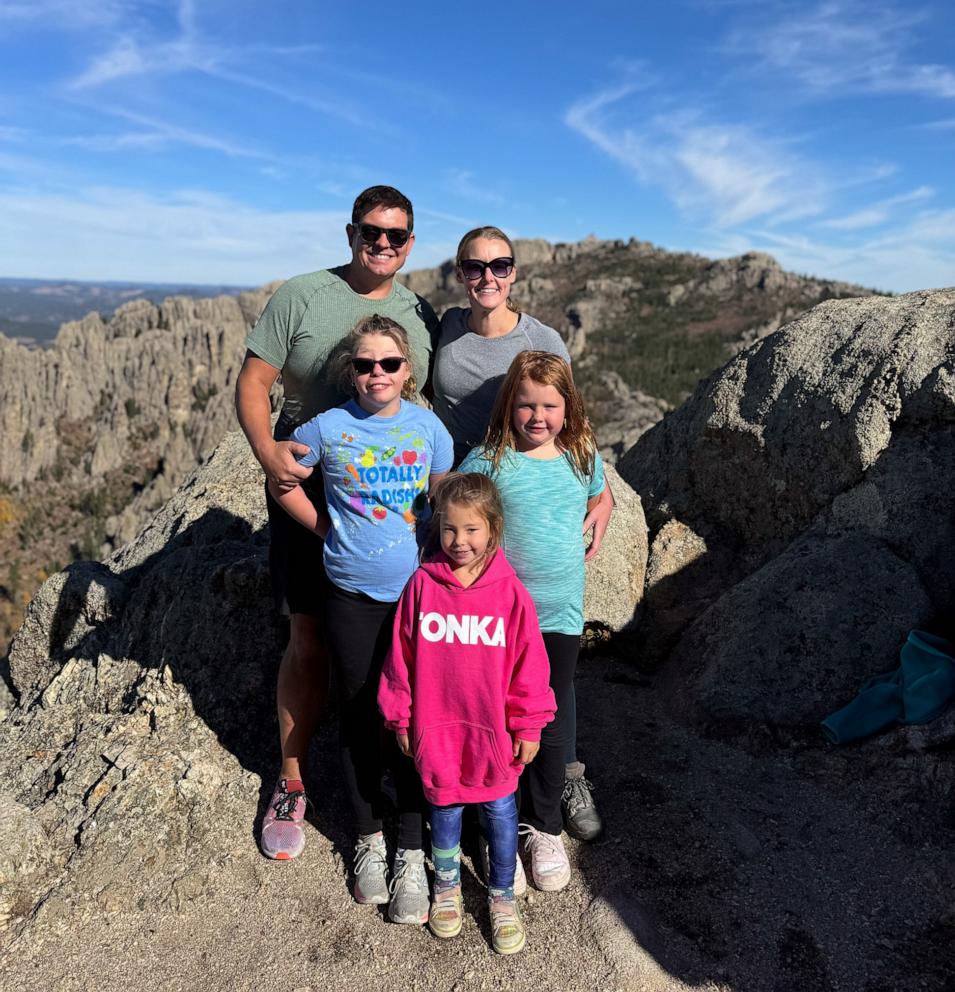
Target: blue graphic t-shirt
x=376, y=472
x=545, y=502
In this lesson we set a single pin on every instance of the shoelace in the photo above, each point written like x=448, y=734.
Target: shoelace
x=537, y=839
x=284, y=806
x=411, y=874
x=577, y=794
x=367, y=851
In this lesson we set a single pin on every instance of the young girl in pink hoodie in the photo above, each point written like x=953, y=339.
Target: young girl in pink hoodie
x=465, y=687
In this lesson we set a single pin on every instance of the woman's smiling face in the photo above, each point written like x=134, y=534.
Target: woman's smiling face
x=487, y=292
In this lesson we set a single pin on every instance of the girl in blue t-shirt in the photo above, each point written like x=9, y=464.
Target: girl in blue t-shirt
x=379, y=454
x=542, y=454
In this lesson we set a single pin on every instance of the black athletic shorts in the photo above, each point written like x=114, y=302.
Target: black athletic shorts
x=296, y=560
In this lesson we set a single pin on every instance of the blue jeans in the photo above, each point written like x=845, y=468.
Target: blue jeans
x=500, y=823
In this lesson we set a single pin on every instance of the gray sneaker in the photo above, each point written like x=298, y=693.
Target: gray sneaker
x=580, y=812
x=371, y=870
x=409, y=889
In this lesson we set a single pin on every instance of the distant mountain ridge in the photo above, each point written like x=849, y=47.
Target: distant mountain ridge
x=32, y=310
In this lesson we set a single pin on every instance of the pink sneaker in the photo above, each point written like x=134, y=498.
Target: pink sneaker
x=283, y=835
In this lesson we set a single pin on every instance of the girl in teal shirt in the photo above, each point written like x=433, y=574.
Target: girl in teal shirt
x=542, y=454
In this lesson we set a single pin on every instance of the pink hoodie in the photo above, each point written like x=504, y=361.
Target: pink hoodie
x=466, y=670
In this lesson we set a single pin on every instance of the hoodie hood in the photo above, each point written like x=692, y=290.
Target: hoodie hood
x=498, y=569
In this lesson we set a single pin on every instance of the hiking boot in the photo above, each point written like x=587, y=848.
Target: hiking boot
x=507, y=927
x=371, y=870
x=283, y=833
x=447, y=912
x=409, y=889
x=520, y=879
x=550, y=869
x=580, y=812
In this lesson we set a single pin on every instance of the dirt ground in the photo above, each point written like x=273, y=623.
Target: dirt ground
x=720, y=869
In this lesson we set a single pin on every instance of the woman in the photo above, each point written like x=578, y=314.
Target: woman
x=475, y=348
x=478, y=343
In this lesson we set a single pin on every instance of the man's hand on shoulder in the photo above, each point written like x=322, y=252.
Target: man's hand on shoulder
x=280, y=465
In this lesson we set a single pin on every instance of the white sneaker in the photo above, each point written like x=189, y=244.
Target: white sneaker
x=371, y=870
x=520, y=879
x=550, y=869
x=409, y=889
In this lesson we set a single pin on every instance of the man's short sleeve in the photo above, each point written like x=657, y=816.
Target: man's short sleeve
x=271, y=338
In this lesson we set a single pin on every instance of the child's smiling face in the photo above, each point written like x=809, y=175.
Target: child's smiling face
x=464, y=535
x=378, y=391
x=538, y=417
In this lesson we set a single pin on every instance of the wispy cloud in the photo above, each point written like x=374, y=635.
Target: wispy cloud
x=159, y=133
x=463, y=183
x=131, y=56
x=916, y=254
x=190, y=236
x=842, y=47
x=877, y=213
x=63, y=14
x=728, y=173
x=342, y=109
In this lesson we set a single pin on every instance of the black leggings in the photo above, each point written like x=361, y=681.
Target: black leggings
x=358, y=629
x=542, y=781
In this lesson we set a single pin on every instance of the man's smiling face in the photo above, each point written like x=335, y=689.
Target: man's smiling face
x=380, y=260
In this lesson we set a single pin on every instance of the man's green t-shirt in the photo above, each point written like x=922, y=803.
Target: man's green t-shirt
x=308, y=316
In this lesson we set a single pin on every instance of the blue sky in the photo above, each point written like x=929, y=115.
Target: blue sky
x=224, y=142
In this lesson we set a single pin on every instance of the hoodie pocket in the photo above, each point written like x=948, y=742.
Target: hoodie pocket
x=460, y=753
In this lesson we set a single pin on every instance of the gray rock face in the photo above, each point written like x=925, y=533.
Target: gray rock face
x=805, y=630
x=615, y=577
x=145, y=688
x=801, y=511
x=634, y=413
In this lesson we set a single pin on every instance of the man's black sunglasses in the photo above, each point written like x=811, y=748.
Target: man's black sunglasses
x=397, y=236
x=365, y=365
x=501, y=268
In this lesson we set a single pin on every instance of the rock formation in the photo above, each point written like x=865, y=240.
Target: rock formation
x=801, y=511
x=154, y=379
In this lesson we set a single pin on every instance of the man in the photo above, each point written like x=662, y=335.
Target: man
x=295, y=336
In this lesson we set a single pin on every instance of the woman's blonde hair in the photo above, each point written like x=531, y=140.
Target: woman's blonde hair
x=576, y=436
x=491, y=234
x=340, y=367
x=469, y=489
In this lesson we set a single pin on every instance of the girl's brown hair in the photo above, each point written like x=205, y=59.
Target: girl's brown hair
x=576, y=436
x=491, y=234
x=466, y=489
x=340, y=369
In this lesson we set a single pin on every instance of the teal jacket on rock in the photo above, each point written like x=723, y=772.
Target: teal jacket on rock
x=918, y=691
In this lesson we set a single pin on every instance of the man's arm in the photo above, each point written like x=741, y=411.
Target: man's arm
x=254, y=410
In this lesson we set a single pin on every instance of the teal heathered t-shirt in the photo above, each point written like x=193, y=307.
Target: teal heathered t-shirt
x=545, y=503
x=308, y=316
